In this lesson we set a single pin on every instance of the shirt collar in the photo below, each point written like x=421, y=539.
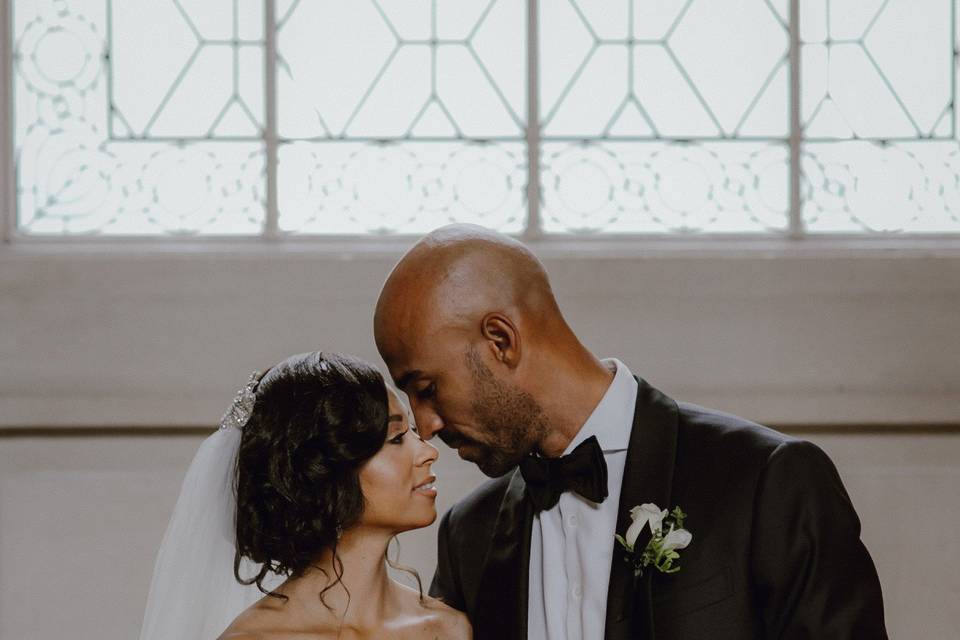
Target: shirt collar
x=612, y=418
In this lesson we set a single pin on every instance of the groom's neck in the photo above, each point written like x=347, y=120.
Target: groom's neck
x=575, y=387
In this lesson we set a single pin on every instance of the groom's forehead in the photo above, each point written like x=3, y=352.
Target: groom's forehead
x=423, y=355
x=398, y=339
x=411, y=356
x=404, y=344
x=404, y=357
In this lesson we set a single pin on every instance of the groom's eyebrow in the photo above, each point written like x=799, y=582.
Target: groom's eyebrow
x=407, y=377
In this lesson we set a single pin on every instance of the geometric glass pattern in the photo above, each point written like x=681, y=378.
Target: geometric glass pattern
x=660, y=117
x=664, y=117
x=664, y=187
x=398, y=117
x=139, y=117
x=400, y=187
x=879, y=117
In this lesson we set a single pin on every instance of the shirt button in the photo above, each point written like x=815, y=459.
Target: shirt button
x=573, y=520
x=577, y=591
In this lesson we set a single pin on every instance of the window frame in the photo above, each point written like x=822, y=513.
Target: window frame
x=532, y=232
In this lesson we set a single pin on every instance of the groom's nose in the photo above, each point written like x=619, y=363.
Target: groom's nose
x=428, y=422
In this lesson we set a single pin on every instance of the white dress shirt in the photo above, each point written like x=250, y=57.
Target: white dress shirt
x=571, y=545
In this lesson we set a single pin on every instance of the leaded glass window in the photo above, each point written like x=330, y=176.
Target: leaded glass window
x=310, y=117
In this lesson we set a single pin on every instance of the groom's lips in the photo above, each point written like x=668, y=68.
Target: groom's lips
x=465, y=447
x=462, y=445
x=454, y=440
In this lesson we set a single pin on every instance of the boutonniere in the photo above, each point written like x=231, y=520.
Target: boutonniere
x=662, y=550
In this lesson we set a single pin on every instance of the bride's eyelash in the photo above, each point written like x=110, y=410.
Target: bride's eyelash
x=398, y=439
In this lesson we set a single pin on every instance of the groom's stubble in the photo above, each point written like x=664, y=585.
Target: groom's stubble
x=511, y=418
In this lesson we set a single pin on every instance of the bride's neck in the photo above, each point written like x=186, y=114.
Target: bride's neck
x=364, y=575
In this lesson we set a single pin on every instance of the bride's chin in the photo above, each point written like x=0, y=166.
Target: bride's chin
x=429, y=520
x=420, y=523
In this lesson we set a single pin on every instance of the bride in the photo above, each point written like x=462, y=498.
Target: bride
x=283, y=523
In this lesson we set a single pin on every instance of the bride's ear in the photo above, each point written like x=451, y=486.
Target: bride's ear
x=502, y=337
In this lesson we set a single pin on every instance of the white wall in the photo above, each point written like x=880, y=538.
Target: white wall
x=810, y=332
x=81, y=518
x=816, y=332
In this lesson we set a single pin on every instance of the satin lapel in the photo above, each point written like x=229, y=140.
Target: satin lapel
x=647, y=477
x=502, y=600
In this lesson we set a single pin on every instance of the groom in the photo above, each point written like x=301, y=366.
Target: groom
x=469, y=328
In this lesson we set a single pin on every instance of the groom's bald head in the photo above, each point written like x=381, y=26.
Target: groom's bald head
x=463, y=322
x=454, y=276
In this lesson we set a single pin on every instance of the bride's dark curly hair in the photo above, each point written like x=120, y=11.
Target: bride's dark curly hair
x=316, y=418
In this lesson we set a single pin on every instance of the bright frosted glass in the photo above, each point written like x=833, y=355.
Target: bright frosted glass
x=660, y=188
x=139, y=117
x=384, y=104
x=409, y=187
x=622, y=80
x=879, y=120
x=677, y=68
x=147, y=117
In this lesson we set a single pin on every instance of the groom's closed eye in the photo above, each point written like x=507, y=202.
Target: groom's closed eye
x=427, y=392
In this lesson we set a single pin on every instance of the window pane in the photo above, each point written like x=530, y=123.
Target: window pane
x=865, y=187
x=139, y=117
x=146, y=117
x=649, y=72
x=411, y=187
x=657, y=187
x=398, y=116
x=879, y=118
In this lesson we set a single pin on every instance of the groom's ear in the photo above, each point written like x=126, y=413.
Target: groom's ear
x=502, y=338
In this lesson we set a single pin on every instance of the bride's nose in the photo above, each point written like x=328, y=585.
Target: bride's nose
x=427, y=453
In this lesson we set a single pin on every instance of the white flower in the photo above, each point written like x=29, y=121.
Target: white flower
x=678, y=539
x=645, y=513
x=661, y=550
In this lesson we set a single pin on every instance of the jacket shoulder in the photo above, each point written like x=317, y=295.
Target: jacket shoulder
x=480, y=505
x=724, y=431
x=723, y=454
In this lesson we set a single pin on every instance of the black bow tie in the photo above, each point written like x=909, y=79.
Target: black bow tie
x=583, y=471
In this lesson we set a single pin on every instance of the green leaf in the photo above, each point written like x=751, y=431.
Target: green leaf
x=679, y=516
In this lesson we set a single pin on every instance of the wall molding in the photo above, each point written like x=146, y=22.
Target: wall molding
x=165, y=339
x=179, y=432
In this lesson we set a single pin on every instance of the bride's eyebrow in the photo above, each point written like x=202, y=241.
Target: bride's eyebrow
x=396, y=417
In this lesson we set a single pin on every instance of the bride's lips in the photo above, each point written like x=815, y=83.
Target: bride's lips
x=427, y=487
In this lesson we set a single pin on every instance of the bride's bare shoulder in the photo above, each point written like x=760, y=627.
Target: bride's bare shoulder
x=262, y=620
x=240, y=629
x=441, y=620
x=451, y=623
x=243, y=628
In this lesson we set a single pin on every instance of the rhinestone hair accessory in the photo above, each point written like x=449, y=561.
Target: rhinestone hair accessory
x=239, y=412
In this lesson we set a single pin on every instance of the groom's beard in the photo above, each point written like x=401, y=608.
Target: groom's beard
x=510, y=418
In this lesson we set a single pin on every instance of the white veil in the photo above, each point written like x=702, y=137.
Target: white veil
x=193, y=594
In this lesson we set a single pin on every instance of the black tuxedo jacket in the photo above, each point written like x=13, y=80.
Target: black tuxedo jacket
x=776, y=549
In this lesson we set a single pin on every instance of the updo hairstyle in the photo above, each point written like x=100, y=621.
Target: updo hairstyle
x=316, y=419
